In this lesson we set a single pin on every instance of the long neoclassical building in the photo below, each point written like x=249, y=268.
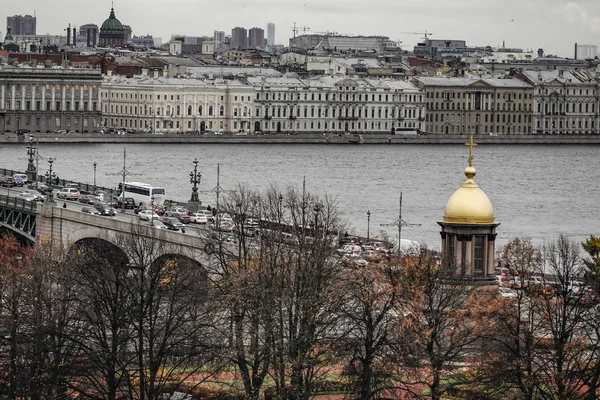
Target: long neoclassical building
x=265, y=104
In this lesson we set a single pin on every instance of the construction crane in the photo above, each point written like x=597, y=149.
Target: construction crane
x=425, y=34
x=297, y=29
x=400, y=223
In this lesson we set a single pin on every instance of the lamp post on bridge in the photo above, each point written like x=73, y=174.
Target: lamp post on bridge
x=368, y=224
x=95, y=164
x=50, y=177
x=31, y=168
x=195, y=178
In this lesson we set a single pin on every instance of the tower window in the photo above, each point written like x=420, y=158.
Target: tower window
x=478, y=256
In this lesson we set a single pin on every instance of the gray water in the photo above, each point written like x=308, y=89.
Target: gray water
x=537, y=191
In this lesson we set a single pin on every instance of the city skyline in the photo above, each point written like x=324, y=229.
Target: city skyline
x=528, y=25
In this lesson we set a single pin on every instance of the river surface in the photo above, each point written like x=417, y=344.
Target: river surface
x=537, y=191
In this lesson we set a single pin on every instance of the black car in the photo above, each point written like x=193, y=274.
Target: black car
x=7, y=181
x=105, y=209
x=172, y=223
x=88, y=198
x=41, y=187
x=128, y=201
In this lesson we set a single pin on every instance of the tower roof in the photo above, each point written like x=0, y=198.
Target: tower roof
x=469, y=204
x=112, y=23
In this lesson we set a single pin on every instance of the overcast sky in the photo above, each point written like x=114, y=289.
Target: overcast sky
x=554, y=25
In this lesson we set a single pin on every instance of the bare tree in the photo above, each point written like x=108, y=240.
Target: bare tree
x=439, y=329
x=171, y=314
x=367, y=326
x=99, y=276
x=510, y=361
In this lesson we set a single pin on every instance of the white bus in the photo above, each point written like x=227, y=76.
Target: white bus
x=143, y=194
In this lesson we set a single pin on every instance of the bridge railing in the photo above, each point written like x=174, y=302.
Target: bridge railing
x=18, y=204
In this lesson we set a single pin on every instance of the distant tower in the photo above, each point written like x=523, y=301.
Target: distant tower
x=540, y=53
x=256, y=38
x=469, y=230
x=239, y=38
x=270, y=34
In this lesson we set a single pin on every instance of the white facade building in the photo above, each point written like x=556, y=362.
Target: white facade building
x=169, y=105
x=335, y=104
x=564, y=102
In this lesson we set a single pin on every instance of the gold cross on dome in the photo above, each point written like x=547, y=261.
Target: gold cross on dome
x=471, y=144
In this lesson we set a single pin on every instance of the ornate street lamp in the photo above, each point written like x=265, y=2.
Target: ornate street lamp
x=195, y=178
x=31, y=169
x=50, y=177
x=95, y=164
x=368, y=224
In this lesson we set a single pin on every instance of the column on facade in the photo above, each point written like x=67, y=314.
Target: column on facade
x=2, y=99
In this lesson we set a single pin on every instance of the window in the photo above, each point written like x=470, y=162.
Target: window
x=210, y=110
x=221, y=110
x=200, y=110
x=478, y=256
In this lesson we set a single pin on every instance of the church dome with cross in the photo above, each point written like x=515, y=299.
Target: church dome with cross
x=469, y=229
x=469, y=204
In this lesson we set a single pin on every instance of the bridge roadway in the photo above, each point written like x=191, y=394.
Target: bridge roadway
x=68, y=225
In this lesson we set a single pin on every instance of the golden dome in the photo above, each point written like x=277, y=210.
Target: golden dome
x=469, y=204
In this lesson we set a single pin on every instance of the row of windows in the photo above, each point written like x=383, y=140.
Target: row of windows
x=560, y=124
x=134, y=96
x=26, y=122
x=341, y=97
x=486, y=118
x=57, y=87
x=569, y=92
x=457, y=106
x=554, y=109
x=468, y=129
x=508, y=96
x=29, y=106
x=346, y=112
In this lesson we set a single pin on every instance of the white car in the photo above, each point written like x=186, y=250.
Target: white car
x=147, y=215
x=28, y=197
x=68, y=193
x=37, y=196
x=198, y=218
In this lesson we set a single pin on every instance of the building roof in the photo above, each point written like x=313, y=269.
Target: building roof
x=464, y=82
x=570, y=77
x=112, y=23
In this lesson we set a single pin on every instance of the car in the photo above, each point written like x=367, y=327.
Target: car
x=28, y=197
x=60, y=132
x=68, y=194
x=20, y=179
x=179, y=209
x=147, y=215
x=198, y=218
x=88, y=198
x=226, y=226
x=182, y=217
x=208, y=214
x=102, y=195
x=7, y=181
x=90, y=210
x=127, y=201
x=37, y=196
x=105, y=209
x=40, y=187
x=172, y=223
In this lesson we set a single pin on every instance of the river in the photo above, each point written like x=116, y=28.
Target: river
x=537, y=191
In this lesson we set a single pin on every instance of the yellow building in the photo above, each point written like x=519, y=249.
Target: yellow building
x=477, y=105
x=469, y=230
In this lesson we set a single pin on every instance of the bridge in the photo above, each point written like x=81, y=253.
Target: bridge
x=38, y=222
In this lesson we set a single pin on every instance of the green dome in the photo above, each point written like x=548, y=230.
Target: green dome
x=112, y=23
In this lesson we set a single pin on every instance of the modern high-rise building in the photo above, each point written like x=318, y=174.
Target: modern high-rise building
x=239, y=38
x=585, y=51
x=270, y=34
x=256, y=38
x=219, y=39
x=22, y=24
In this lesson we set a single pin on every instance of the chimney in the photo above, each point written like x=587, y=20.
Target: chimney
x=74, y=37
x=575, y=51
x=95, y=31
x=89, y=37
x=69, y=36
